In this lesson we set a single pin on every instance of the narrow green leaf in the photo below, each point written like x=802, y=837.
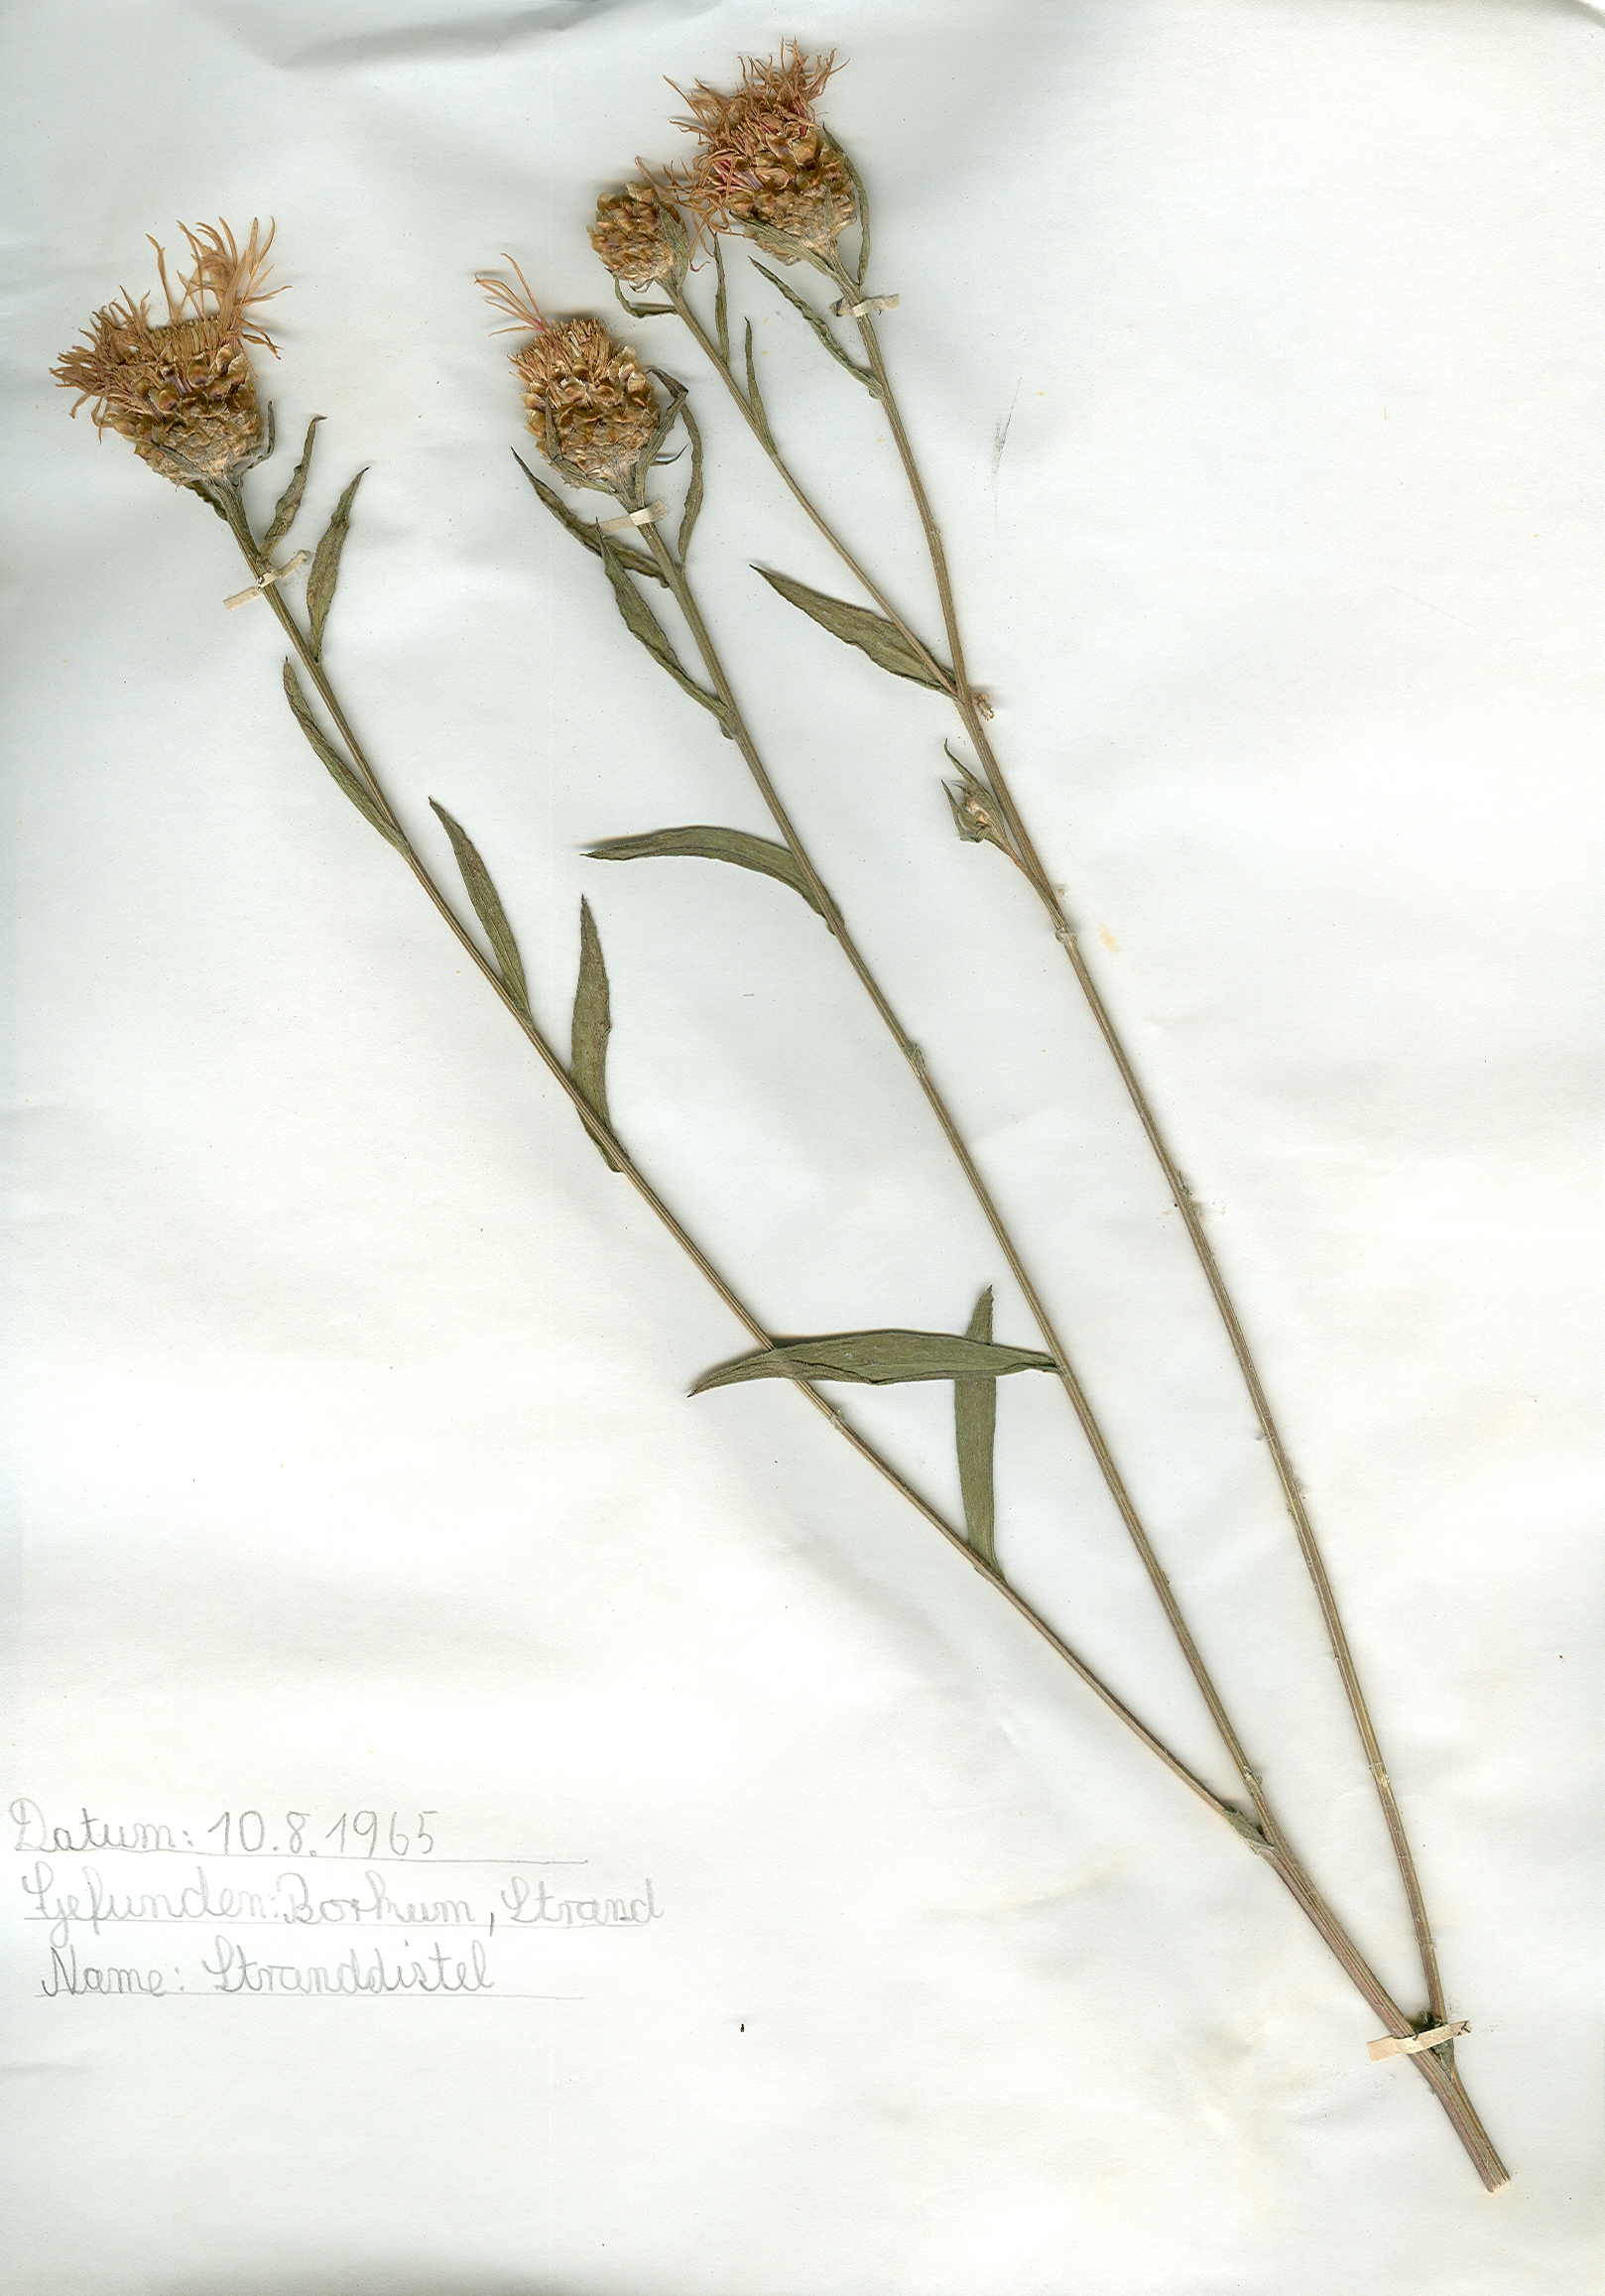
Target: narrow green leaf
x=879, y=1359
x=859, y=195
x=642, y=310
x=880, y=639
x=289, y=502
x=975, y=1422
x=755, y=397
x=644, y=624
x=700, y=843
x=785, y=244
x=721, y=304
x=487, y=908
x=336, y=764
x=586, y=530
x=327, y=567
x=821, y=328
x=674, y=233
x=694, y=492
x=593, y=1025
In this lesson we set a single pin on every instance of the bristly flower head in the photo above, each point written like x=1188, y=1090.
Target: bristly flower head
x=184, y=383
x=602, y=407
x=764, y=159
x=628, y=234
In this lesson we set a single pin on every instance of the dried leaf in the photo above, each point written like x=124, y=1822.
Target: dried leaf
x=880, y=639
x=694, y=492
x=674, y=233
x=336, y=764
x=289, y=502
x=327, y=567
x=642, y=310
x=721, y=304
x=593, y=1025
x=644, y=624
x=755, y=397
x=821, y=328
x=700, y=843
x=487, y=908
x=975, y=1420
x=584, y=529
x=857, y=182
x=879, y=1359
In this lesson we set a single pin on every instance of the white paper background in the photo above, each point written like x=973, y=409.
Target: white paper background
x=349, y=1457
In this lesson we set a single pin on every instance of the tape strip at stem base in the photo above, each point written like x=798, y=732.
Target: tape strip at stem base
x=1412, y=2044
x=845, y=310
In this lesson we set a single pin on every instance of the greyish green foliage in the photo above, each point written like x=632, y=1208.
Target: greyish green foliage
x=755, y=397
x=586, y=530
x=644, y=624
x=289, y=502
x=336, y=764
x=592, y=1025
x=326, y=568
x=975, y=1423
x=698, y=842
x=487, y=908
x=880, y=1359
x=820, y=325
x=880, y=639
x=694, y=492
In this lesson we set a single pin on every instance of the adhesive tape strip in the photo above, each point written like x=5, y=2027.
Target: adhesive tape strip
x=1412, y=2044
x=653, y=511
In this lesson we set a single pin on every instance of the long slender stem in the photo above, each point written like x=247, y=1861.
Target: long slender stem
x=1274, y=1843
x=608, y=1139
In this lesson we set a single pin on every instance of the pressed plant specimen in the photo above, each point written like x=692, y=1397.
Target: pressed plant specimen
x=181, y=388
x=767, y=170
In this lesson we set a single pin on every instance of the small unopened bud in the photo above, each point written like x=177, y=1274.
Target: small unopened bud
x=629, y=236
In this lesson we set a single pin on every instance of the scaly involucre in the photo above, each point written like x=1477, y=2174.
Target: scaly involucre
x=628, y=234
x=763, y=157
x=601, y=405
x=181, y=388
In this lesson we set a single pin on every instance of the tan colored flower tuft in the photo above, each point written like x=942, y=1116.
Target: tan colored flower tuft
x=603, y=408
x=628, y=234
x=764, y=159
x=183, y=383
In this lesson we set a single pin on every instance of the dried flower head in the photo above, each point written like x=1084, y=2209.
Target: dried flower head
x=764, y=159
x=601, y=405
x=629, y=236
x=183, y=386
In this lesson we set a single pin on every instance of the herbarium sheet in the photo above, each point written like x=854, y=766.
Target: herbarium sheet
x=481, y=1818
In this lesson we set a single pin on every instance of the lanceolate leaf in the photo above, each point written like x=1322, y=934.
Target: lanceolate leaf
x=721, y=304
x=289, y=502
x=326, y=565
x=879, y=1359
x=821, y=328
x=586, y=530
x=644, y=624
x=593, y=1025
x=694, y=492
x=975, y=1420
x=702, y=844
x=487, y=908
x=880, y=639
x=755, y=397
x=336, y=764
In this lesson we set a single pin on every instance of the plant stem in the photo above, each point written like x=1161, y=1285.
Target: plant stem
x=1275, y=1844
x=232, y=503
x=1025, y=851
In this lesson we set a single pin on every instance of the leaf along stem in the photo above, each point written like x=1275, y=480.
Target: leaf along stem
x=1273, y=1844
x=230, y=502
x=1065, y=934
